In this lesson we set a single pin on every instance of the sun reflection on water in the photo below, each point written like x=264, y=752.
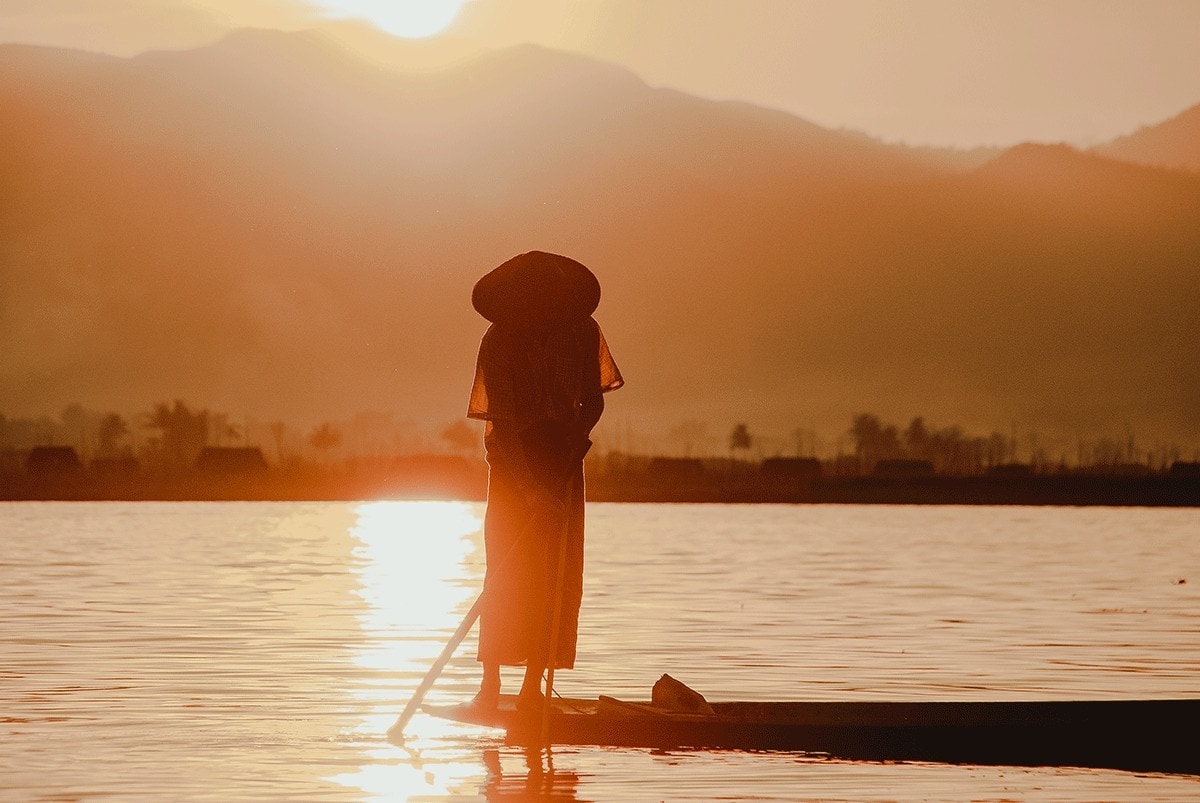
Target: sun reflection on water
x=393, y=780
x=414, y=572
x=418, y=565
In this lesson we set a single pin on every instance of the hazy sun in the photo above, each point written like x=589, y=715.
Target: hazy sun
x=412, y=19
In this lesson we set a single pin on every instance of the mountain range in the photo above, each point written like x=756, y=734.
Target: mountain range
x=274, y=226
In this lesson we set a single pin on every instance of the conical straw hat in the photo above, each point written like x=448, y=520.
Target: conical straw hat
x=537, y=290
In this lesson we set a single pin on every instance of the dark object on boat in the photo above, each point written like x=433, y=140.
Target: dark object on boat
x=677, y=697
x=1134, y=735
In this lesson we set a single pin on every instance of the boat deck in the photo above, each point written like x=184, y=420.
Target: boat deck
x=1136, y=735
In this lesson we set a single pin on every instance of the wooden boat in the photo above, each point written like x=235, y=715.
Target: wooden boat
x=1135, y=735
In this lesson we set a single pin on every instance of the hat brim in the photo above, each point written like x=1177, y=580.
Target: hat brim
x=537, y=290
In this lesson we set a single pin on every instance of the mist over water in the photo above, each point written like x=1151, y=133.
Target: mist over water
x=245, y=651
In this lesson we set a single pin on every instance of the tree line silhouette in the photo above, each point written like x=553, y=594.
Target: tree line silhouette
x=171, y=435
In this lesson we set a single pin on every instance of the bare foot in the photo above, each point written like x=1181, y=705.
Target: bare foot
x=530, y=699
x=489, y=692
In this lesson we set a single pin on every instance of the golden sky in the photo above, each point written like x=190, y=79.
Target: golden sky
x=956, y=72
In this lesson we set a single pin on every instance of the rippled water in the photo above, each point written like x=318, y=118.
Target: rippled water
x=258, y=652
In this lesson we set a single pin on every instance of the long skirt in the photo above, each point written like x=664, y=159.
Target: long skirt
x=522, y=564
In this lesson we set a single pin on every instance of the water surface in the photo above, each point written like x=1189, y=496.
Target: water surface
x=259, y=651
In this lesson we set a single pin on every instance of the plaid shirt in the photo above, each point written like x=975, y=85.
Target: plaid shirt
x=524, y=377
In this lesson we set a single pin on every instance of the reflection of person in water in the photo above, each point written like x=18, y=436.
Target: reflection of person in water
x=540, y=376
x=536, y=783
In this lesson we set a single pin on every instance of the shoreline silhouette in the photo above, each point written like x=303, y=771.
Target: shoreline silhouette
x=242, y=474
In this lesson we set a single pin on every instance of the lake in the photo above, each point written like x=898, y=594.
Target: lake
x=259, y=651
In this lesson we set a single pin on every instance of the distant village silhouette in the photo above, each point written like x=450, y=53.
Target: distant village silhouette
x=195, y=454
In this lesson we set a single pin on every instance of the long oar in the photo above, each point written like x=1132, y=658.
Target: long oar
x=397, y=730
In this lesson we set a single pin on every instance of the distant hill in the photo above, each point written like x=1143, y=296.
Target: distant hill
x=271, y=226
x=1174, y=143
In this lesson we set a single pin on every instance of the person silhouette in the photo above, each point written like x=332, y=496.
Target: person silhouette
x=540, y=377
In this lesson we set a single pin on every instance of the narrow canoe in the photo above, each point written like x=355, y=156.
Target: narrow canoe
x=1135, y=735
